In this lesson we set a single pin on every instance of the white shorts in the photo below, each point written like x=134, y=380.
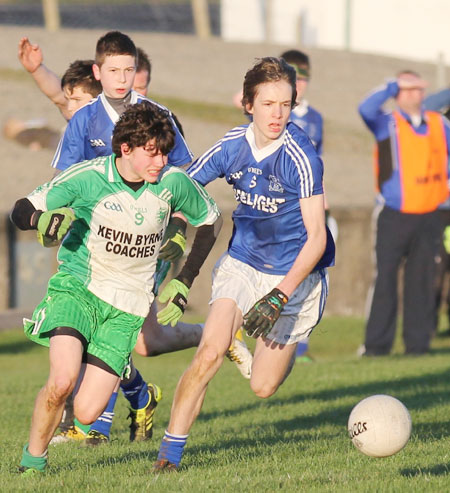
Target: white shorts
x=245, y=285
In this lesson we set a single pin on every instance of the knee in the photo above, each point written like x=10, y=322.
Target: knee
x=208, y=357
x=263, y=389
x=59, y=389
x=85, y=414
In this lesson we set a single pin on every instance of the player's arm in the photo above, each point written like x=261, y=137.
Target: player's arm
x=201, y=211
x=176, y=291
x=260, y=319
x=52, y=224
x=31, y=57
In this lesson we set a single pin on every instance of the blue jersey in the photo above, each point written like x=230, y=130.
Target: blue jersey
x=311, y=121
x=268, y=183
x=89, y=134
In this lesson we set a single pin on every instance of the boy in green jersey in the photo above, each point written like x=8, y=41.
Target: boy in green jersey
x=112, y=212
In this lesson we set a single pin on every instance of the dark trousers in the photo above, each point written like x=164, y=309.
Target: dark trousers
x=414, y=239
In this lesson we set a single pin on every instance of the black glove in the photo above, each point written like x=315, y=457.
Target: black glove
x=260, y=319
x=174, y=240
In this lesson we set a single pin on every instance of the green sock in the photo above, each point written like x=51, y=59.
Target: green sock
x=30, y=461
x=84, y=428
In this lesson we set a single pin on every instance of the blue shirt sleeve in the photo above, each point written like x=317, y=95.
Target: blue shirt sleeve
x=70, y=149
x=437, y=101
x=372, y=112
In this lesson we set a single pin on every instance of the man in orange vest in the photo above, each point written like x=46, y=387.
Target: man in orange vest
x=411, y=172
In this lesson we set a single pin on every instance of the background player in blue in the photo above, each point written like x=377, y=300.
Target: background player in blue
x=311, y=121
x=89, y=132
x=274, y=271
x=96, y=303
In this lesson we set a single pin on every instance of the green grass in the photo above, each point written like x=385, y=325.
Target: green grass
x=295, y=441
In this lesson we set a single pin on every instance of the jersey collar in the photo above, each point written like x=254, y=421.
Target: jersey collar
x=260, y=154
x=111, y=112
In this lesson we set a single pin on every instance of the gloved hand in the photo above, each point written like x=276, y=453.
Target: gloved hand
x=260, y=319
x=53, y=224
x=176, y=294
x=447, y=239
x=173, y=243
x=47, y=242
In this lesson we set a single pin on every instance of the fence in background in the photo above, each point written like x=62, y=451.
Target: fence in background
x=174, y=16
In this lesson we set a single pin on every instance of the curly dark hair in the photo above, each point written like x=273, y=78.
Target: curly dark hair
x=143, y=122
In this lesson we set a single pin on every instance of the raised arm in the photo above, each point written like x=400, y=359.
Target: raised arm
x=32, y=59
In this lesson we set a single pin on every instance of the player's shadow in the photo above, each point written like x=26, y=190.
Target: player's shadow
x=437, y=385
x=437, y=470
x=16, y=347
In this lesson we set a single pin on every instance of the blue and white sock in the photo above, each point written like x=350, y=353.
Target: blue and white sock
x=136, y=392
x=172, y=447
x=302, y=347
x=104, y=421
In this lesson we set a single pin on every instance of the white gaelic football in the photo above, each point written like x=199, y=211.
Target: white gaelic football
x=379, y=425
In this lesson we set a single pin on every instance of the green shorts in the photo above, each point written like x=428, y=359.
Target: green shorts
x=110, y=333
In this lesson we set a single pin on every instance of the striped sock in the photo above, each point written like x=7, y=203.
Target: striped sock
x=172, y=447
x=302, y=347
x=136, y=392
x=104, y=421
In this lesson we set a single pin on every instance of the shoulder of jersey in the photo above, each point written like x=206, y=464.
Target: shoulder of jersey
x=86, y=110
x=316, y=113
x=234, y=133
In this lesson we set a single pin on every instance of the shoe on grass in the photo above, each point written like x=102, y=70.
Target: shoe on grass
x=141, y=426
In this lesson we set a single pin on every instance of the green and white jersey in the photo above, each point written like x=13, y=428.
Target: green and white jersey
x=114, y=242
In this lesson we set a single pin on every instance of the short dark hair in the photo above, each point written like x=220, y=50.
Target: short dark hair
x=296, y=57
x=143, y=63
x=268, y=69
x=143, y=122
x=79, y=74
x=114, y=43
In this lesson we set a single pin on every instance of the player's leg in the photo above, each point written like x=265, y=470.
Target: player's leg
x=223, y=321
x=271, y=364
x=274, y=355
x=94, y=391
x=143, y=398
x=65, y=361
x=156, y=339
x=100, y=430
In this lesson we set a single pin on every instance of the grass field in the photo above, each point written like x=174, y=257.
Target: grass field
x=295, y=441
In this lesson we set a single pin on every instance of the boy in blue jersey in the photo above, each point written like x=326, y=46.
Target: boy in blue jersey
x=88, y=134
x=114, y=210
x=273, y=277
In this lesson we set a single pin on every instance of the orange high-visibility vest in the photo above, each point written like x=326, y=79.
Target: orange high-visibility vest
x=421, y=162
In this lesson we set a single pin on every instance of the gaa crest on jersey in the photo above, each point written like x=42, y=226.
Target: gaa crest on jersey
x=275, y=184
x=161, y=214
